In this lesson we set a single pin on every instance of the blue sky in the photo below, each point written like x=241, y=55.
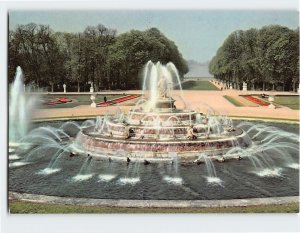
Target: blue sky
x=198, y=34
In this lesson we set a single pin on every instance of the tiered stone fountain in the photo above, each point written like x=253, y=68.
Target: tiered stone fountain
x=156, y=127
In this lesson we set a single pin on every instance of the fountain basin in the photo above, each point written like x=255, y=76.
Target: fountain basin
x=240, y=179
x=187, y=150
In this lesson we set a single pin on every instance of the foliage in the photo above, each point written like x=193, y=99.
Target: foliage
x=96, y=55
x=268, y=56
x=35, y=49
x=133, y=49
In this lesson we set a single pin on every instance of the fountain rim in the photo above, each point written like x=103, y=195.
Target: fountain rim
x=157, y=126
x=153, y=203
x=138, y=141
x=189, y=158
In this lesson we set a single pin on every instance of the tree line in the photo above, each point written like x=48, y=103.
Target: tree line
x=266, y=58
x=50, y=59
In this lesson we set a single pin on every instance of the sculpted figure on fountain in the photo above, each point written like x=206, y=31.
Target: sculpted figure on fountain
x=162, y=86
x=190, y=133
x=126, y=132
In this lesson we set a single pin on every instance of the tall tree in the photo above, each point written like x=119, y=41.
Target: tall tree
x=133, y=49
x=96, y=55
x=268, y=56
x=97, y=41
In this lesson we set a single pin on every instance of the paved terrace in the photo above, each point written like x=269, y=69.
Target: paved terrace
x=197, y=100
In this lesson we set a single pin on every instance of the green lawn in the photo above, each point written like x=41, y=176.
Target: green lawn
x=199, y=85
x=288, y=101
x=233, y=101
x=82, y=99
x=22, y=207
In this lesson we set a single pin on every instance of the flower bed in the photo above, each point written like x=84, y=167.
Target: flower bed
x=61, y=100
x=256, y=100
x=125, y=98
x=115, y=101
x=64, y=100
x=105, y=104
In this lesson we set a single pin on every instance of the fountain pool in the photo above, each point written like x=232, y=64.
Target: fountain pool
x=83, y=176
x=157, y=151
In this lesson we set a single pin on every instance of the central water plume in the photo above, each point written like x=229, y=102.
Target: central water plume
x=157, y=77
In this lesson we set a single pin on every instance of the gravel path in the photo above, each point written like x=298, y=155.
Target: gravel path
x=203, y=101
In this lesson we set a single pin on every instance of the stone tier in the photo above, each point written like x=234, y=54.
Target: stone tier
x=175, y=117
x=165, y=103
x=154, y=132
x=98, y=143
x=118, y=130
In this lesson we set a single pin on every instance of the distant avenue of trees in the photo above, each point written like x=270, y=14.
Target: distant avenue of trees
x=50, y=59
x=267, y=58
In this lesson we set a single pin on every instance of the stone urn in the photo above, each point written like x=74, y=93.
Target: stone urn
x=93, y=104
x=271, y=100
x=244, y=86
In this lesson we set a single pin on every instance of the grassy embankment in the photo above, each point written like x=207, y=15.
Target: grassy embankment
x=199, y=85
x=288, y=101
x=23, y=207
x=233, y=101
x=291, y=102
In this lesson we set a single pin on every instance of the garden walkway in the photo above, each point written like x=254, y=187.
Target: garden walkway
x=197, y=100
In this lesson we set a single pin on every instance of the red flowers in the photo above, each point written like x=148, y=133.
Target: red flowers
x=105, y=104
x=122, y=99
x=61, y=100
x=255, y=100
x=115, y=101
x=64, y=100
